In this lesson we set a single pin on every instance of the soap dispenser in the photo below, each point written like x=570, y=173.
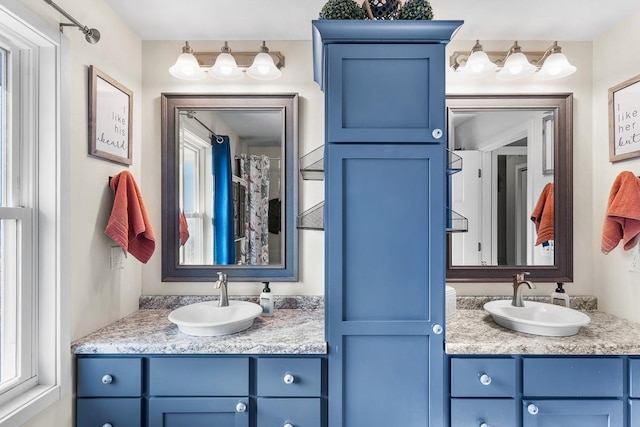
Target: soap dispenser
x=559, y=296
x=266, y=300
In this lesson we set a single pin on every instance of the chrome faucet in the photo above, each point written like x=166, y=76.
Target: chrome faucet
x=222, y=285
x=518, y=280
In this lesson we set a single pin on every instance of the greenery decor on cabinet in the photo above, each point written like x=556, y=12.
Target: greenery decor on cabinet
x=416, y=9
x=341, y=9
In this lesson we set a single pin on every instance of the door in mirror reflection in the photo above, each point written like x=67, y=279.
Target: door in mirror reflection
x=505, y=187
x=230, y=187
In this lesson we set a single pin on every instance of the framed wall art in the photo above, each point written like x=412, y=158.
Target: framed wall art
x=624, y=120
x=110, y=118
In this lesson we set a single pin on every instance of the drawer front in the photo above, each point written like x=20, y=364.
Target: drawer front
x=299, y=412
x=198, y=412
x=573, y=413
x=634, y=412
x=109, y=377
x=475, y=412
x=483, y=377
x=105, y=411
x=198, y=376
x=634, y=377
x=573, y=377
x=289, y=377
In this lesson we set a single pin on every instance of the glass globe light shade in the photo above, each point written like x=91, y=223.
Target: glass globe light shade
x=555, y=66
x=187, y=68
x=263, y=68
x=225, y=68
x=517, y=66
x=478, y=65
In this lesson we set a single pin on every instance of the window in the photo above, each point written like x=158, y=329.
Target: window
x=32, y=350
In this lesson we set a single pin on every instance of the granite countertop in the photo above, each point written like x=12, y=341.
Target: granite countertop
x=295, y=330
x=472, y=331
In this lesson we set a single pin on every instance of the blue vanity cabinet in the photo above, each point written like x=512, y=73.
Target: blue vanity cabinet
x=541, y=391
x=384, y=218
x=201, y=390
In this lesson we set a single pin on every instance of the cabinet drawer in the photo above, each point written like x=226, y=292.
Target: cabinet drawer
x=573, y=413
x=634, y=412
x=117, y=412
x=289, y=377
x=474, y=412
x=299, y=412
x=198, y=376
x=634, y=377
x=573, y=377
x=107, y=377
x=484, y=377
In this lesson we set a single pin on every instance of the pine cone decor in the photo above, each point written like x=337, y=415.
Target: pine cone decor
x=341, y=9
x=416, y=9
x=381, y=9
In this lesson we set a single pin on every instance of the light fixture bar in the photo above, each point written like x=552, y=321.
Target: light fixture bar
x=92, y=35
x=459, y=59
x=243, y=59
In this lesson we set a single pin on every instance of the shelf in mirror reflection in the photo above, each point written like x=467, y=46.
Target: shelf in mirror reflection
x=456, y=223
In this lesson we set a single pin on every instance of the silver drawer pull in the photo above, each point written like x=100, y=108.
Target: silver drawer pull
x=107, y=425
x=241, y=407
x=107, y=379
x=532, y=409
x=287, y=424
x=437, y=133
x=437, y=329
x=485, y=379
x=288, y=378
x=484, y=425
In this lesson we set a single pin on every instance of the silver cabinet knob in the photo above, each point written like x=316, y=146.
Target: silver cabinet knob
x=288, y=378
x=484, y=425
x=107, y=425
x=241, y=407
x=437, y=133
x=287, y=425
x=107, y=379
x=485, y=379
x=437, y=329
x=532, y=409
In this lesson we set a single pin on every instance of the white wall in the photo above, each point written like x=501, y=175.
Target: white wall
x=580, y=55
x=615, y=60
x=98, y=295
x=297, y=76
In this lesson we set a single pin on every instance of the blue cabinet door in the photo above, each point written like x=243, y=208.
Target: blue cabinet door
x=385, y=92
x=198, y=412
x=572, y=413
x=385, y=248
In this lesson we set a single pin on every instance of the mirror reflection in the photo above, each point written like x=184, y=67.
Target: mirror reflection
x=515, y=187
x=505, y=188
x=230, y=187
x=229, y=184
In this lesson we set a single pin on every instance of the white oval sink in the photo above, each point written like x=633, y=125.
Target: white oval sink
x=206, y=319
x=537, y=318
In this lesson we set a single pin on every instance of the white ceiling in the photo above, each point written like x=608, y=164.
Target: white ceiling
x=291, y=19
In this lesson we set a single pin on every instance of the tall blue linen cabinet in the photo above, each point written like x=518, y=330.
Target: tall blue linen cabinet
x=385, y=218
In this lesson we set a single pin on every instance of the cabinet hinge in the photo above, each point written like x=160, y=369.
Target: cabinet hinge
x=479, y=246
x=479, y=173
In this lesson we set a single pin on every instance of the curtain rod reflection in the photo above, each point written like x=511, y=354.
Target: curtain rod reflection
x=192, y=115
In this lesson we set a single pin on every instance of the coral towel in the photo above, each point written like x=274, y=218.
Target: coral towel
x=543, y=215
x=129, y=224
x=184, y=229
x=622, y=221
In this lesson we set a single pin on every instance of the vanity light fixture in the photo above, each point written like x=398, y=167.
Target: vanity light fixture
x=186, y=66
x=514, y=64
x=262, y=65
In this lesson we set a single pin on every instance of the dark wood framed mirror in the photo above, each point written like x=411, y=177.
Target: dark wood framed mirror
x=514, y=148
x=229, y=187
